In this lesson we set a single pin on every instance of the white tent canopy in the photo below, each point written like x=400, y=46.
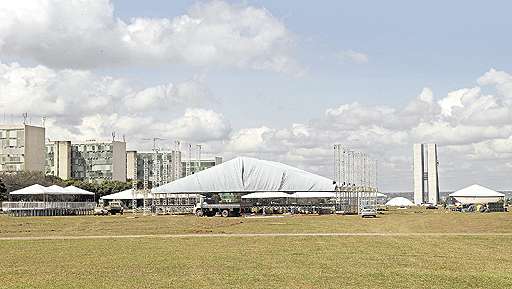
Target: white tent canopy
x=30, y=190
x=51, y=190
x=245, y=174
x=477, y=194
x=126, y=195
x=381, y=195
x=56, y=190
x=77, y=191
x=266, y=195
x=314, y=195
x=399, y=202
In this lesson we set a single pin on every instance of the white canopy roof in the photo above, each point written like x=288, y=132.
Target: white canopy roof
x=399, y=202
x=245, y=174
x=314, y=195
x=266, y=195
x=476, y=191
x=56, y=190
x=77, y=191
x=30, y=190
x=52, y=190
x=128, y=195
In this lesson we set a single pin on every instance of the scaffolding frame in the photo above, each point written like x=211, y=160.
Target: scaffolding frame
x=355, y=174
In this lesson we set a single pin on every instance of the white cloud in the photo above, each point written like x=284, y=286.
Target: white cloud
x=85, y=34
x=352, y=56
x=83, y=105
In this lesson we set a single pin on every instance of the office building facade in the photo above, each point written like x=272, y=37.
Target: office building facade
x=58, y=159
x=425, y=170
x=98, y=161
x=22, y=148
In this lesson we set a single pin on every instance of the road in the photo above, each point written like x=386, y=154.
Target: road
x=247, y=235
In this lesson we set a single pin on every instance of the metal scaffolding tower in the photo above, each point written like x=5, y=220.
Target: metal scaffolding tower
x=176, y=161
x=145, y=185
x=198, y=158
x=134, y=187
x=165, y=168
x=188, y=165
x=355, y=174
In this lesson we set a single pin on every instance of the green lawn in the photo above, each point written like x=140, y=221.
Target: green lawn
x=259, y=262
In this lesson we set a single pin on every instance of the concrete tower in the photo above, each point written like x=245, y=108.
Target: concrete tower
x=426, y=184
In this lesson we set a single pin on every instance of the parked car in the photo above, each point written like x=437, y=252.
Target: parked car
x=369, y=212
x=430, y=206
x=100, y=211
x=115, y=207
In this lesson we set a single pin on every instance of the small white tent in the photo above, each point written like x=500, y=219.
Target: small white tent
x=126, y=195
x=399, y=202
x=477, y=194
x=30, y=190
x=77, y=191
x=56, y=190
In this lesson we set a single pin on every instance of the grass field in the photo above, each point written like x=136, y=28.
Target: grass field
x=384, y=261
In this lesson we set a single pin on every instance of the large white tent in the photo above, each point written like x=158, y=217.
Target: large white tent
x=399, y=202
x=266, y=195
x=477, y=194
x=245, y=174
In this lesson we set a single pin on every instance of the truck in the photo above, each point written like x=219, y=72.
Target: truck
x=115, y=207
x=210, y=210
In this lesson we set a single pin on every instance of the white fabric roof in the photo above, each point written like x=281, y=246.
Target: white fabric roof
x=266, y=195
x=314, y=195
x=127, y=195
x=77, y=191
x=245, y=174
x=476, y=191
x=399, y=202
x=30, y=190
x=381, y=195
x=54, y=189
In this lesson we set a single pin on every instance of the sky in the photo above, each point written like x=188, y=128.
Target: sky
x=277, y=80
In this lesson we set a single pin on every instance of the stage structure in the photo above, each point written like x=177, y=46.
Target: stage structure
x=355, y=174
x=37, y=200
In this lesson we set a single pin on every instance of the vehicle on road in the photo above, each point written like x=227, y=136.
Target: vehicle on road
x=429, y=206
x=115, y=207
x=210, y=210
x=368, y=212
x=100, y=211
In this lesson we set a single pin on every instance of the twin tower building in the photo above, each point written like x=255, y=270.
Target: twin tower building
x=426, y=180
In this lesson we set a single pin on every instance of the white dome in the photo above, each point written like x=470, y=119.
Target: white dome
x=399, y=202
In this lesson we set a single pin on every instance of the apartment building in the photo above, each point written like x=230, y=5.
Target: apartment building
x=58, y=159
x=22, y=148
x=97, y=161
x=164, y=166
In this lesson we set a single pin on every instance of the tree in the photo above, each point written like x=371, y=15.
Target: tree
x=4, y=196
x=19, y=180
